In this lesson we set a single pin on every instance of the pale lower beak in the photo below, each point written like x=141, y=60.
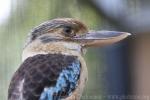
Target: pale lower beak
x=100, y=38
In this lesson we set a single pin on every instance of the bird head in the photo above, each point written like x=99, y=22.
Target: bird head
x=70, y=33
x=60, y=29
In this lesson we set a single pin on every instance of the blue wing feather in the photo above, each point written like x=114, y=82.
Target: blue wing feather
x=66, y=82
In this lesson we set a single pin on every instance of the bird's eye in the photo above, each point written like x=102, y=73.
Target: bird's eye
x=68, y=31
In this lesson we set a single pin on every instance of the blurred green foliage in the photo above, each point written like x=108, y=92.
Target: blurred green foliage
x=26, y=14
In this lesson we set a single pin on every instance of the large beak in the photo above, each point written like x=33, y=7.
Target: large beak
x=100, y=38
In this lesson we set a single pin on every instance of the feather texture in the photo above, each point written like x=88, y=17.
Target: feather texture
x=45, y=72
x=66, y=82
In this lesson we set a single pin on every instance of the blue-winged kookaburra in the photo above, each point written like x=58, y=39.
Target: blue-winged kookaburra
x=53, y=67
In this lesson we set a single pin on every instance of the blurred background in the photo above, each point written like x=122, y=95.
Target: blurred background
x=116, y=72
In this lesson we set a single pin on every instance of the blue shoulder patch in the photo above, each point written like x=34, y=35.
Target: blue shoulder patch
x=66, y=83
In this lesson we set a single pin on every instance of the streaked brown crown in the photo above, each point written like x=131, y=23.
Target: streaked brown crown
x=61, y=27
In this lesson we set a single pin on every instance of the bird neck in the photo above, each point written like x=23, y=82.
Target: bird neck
x=66, y=48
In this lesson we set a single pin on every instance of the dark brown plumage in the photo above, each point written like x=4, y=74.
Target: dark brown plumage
x=38, y=72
